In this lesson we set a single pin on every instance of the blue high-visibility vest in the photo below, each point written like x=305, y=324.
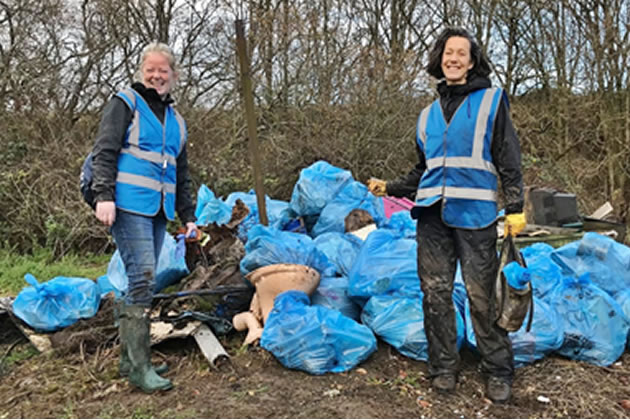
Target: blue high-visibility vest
x=460, y=171
x=147, y=164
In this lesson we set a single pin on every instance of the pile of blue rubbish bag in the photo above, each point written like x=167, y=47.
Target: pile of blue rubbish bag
x=370, y=288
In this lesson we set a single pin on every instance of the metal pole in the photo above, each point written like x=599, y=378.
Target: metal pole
x=248, y=101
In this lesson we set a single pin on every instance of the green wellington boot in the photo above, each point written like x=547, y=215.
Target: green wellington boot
x=134, y=331
x=124, y=365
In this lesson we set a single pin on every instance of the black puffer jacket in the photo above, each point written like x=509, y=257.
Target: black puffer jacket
x=506, y=150
x=111, y=134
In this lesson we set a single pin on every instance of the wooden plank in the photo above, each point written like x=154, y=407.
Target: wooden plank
x=533, y=230
x=41, y=341
x=161, y=331
x=608, y=228
x=605, y=210
x=553, y=240
x=250, y=117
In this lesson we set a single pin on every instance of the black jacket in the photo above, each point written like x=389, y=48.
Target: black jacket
x=111, y=134
x=506, y=150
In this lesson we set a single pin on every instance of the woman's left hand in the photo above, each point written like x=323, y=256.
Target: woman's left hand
x=514, y=224
x=192, y=231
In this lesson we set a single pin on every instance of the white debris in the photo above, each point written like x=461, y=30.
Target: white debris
x=332, y=393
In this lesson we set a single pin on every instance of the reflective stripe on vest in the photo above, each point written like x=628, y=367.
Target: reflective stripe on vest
x=459, y=169
x=182, y=130
x=150, y=156
x=457, y=192
x=146, y=182
x=129, y=97
x=147, y=164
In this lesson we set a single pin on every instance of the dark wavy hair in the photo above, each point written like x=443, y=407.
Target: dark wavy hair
x=481, y=67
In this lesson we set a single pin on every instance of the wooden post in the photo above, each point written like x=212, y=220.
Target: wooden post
x=248, y=101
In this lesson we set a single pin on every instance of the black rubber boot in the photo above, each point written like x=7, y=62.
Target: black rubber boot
x=124, y=364
x=444, y=384
x=498, y=390
x=134, y=332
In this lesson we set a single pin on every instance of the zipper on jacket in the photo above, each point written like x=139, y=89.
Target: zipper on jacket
x=448, y=124
x=165, y=161
x=444, y=165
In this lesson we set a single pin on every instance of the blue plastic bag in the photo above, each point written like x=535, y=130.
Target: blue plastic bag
x=57, y=303
x=354, y=195
x=211, y=209
x=517, y=276
x=595, y=328
x=535, y=251
x=171, y=268
x=399, y=321
x=545, y=273
x=268, y=245
x=623, y=299
x=332, y=293
x=386, y=265
x=105, y=286
x=204, y=195
x=606, y=261
x=402, y=223
x=314, y=339
x=341, y=249
x=545, y=336
x=278, y=212
x=318, y=184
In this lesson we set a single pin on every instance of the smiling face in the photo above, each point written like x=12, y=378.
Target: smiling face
x=157, y=73
x=456, y=60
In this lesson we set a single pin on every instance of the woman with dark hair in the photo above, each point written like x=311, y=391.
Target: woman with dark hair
x=466, y=143
x=480, y=63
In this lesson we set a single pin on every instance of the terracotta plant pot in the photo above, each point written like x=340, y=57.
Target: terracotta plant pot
x=272, y=280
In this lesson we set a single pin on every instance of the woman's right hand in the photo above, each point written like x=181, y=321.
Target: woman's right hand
x=378, y=187
x=106, y=212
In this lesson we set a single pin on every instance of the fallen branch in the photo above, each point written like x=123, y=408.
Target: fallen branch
x=11, y=347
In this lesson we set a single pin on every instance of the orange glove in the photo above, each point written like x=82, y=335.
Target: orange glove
x=514, y=224
x=378, y=187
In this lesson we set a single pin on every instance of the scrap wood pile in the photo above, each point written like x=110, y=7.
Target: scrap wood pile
x=217, y=253
x=87, y=335
x=70, y=315
x=364, y=252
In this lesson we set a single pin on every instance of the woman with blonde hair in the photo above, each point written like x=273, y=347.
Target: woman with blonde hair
x=140, y=179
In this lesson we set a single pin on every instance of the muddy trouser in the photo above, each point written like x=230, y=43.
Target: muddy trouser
x=139, y=240
x=439, y=248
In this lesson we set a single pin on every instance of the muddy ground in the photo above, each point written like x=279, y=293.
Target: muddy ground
x=84, y=384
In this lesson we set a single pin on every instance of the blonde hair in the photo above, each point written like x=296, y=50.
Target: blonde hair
x=156, y=47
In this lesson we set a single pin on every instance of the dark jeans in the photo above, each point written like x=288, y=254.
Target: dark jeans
x=139, y=240
x=439, y=248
